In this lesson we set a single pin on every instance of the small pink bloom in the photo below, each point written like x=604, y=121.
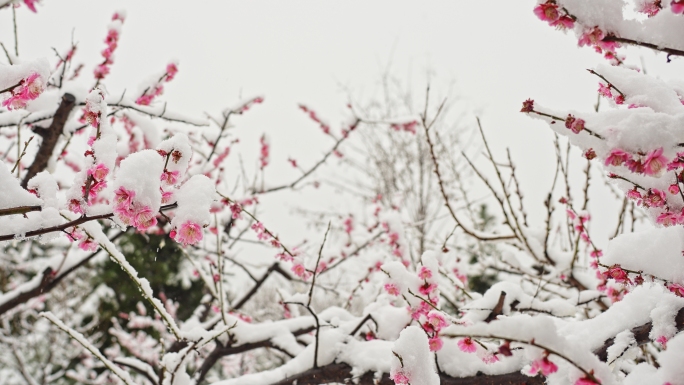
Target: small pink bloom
x=650, y=8
x=99, y=172
x=436, y=321
x=235, y=209
x=576, y=125
x=171, y=71
x=170, y=177
x=400, y=378
x=655, y=162
x=427, y=288
x=467, y=345
x=145, y=218
x=300, y=271
x=617, y=157
x=391, y=289
x=167, y=196
x=677, y=6
x=615, y=272
x=528, y=106
x=547, y=12
x=424, y=273
x=667, y=219
x=123, y=197
x=543, y=365
x=596, y=253
x=563, y=22
x=677, y=162
x=435, y=344
x=654, y=198
x=676, y=288
x=75, y=206
x=662, y=340
x=87, y=245
x=673, y=189
x=634, y=194
x=604, y=90
x=189, y=233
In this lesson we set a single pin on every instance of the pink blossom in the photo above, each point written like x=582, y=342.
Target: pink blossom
x=400, y=378
x=677, y=162
x=123, y=197
x=189, y=233
x=528, y=106
x=650, y=8
x=436, y=321
x=604, y=90
x=300, y=271
x=75, y=206
x=596, y=253
x=348, y=225
x=547, y=12
x=391, y=289
x=543, y=365
x=662, y=340
x=467, y=345
x=574, y=124
x=101, y=71
x=617, y=157
x=236, y=210
x=563, y=22
x=634, y=194
x=171, y=71
x=28, y=88
x=667, y=219
x=654, y=198
x=99, y=172
x=427, y=288
x=146, y=218
x=88, y=245
x=615, y=272
x=170, y=177
x=673, y=188
x=676, y=288
x=677, y=6
x=167, y=196
x=435, y=344
x=424, y=273
x=655, y=162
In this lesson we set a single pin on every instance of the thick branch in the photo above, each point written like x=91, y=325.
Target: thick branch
x=19, y=210
x=50, y=137
x=669, y=51
x=48, y=282
x=640, y=335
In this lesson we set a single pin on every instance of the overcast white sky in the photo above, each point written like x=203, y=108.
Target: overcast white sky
x=497, y=52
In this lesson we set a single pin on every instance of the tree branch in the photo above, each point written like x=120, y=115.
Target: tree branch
x=50, y=137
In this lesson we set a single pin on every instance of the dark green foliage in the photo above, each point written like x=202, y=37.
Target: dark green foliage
x=156, y=258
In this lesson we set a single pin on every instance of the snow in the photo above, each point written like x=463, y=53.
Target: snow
x=11, y=192
x=413, y=357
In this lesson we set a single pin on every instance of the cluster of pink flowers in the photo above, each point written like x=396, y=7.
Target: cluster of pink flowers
x=575, y=125
x=265, y=151
x=28, y=88
x=189, y=233
x=595, y=37
x=408, y=127
x=400, y=378
x=550, y=13
x=606, y=90
x=112, y=41
x=652, y=164
x=312, y=114
x=349, y=225
x=158, y=88
x=433, y=325
x=86, y=242
x=132, y=213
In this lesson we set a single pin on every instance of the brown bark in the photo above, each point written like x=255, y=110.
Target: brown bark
x=50, y=137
